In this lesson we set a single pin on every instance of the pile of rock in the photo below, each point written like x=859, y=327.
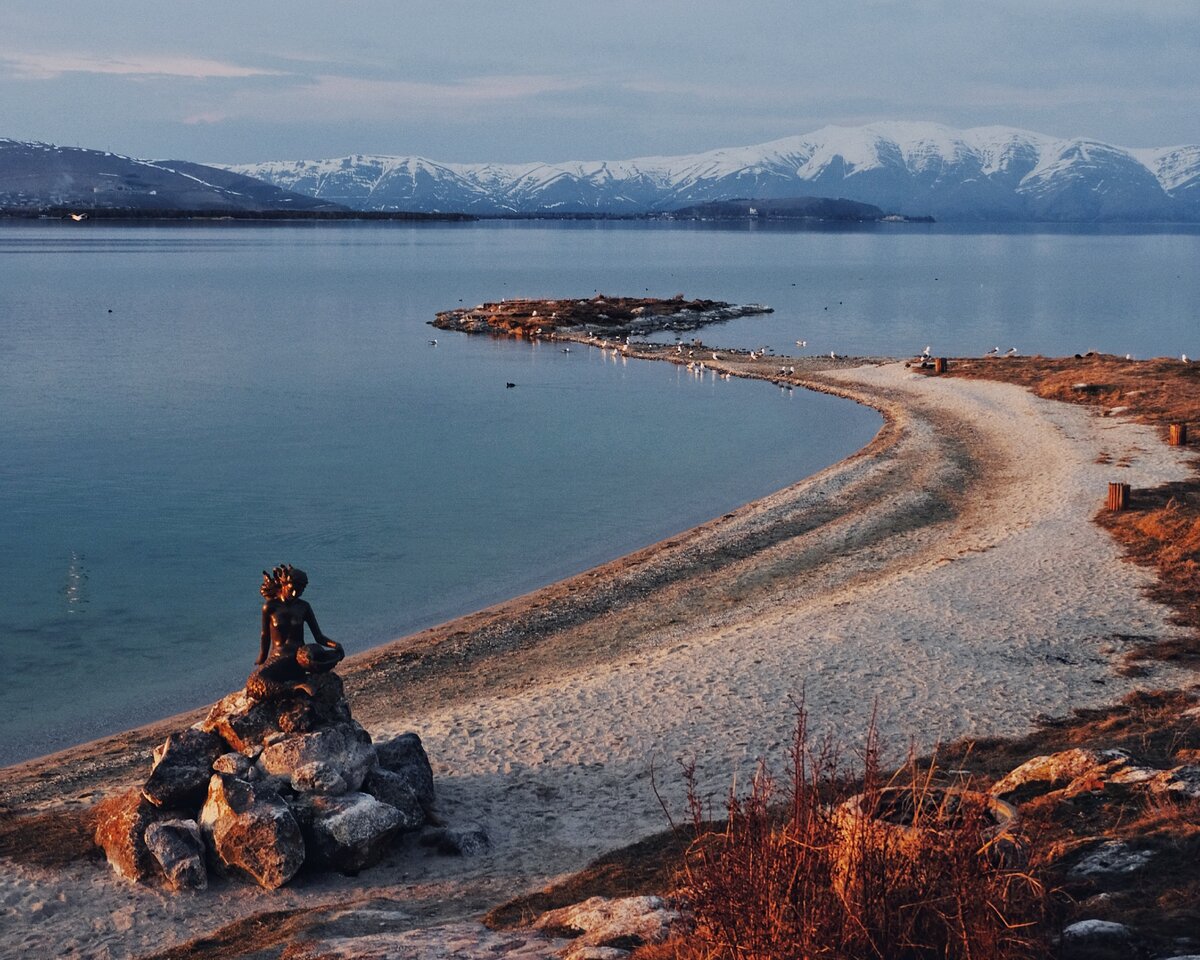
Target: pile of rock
x=1097, y=784
x=261, y=787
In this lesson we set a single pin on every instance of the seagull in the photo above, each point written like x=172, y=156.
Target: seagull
x=715, y=357
x=832, y=355
x=566, y=349
x=433, y=343
x=802, y=343
x=992, y=352
x=925, y=353
x=1010, y=352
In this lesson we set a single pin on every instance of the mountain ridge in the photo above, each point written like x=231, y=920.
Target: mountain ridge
x=35, y=175
x=911, y=168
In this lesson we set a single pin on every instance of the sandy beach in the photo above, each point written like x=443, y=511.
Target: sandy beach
x=948, y=577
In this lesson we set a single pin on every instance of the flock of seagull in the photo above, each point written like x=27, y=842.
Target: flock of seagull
x=621, y=349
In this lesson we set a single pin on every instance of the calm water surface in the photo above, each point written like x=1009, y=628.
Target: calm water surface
x=261, y=394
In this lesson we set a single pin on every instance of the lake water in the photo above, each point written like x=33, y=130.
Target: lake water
x=181, y=406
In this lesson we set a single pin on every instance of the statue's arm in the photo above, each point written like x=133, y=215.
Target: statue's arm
x=264, y=643
x=311, y=619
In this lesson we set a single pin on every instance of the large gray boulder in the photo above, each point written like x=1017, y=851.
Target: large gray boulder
x=1113, y=858
x=350, y=832
x=343, y=748
x=250, y=830
x=406, y=758
x=182, y=766
x=1098, y=940
x=396, y=790
x=179, y=850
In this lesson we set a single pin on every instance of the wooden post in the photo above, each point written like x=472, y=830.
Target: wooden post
x=1178, y=435
x=939, y=365
x=1118, y=496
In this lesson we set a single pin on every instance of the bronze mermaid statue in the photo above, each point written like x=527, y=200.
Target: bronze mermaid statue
x=285, y=662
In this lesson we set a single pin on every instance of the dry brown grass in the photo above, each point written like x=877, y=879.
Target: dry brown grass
x=53, y=839
x=1158, y=392
x=790, y=876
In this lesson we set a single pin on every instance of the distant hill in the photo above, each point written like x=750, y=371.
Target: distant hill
x=36, y=176
x=789, y=208
x=914, y=169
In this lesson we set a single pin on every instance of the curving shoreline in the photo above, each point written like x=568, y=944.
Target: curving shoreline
x=949, y=570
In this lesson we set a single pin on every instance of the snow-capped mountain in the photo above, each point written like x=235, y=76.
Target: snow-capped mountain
x=38, y=175
x=916, y=169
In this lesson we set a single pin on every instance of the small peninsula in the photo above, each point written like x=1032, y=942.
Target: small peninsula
x=612, y=316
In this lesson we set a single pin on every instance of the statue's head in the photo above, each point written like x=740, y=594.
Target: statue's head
x=292, y=580
x=283, y=581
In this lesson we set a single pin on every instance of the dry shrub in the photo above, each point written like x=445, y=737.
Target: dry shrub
x=791, y=877
x=1174, y=529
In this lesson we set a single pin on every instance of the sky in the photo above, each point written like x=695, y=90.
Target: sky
x=554, y=80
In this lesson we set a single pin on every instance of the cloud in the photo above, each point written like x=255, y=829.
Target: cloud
x=50, y=66
x=333, y=97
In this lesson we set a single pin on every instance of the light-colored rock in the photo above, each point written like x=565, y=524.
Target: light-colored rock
x=1133, y=774
x=349, y=832
x=345, y=748
x=1097, y=940
x=1184, y=780
x=251, y=830
x=1066, y=768
x=628, y=921
x=1111, y=859
x=234, y=764
x=317, y=777
x=179, y=850
x=469, y=841
x=585, y=952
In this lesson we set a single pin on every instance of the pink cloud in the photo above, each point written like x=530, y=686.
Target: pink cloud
x=48, y=66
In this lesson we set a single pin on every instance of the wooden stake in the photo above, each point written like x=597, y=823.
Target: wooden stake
x=1118, y=496
x=939, y=365
x=1178, y=435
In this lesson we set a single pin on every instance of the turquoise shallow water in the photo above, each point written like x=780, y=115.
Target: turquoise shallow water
x=261, y=394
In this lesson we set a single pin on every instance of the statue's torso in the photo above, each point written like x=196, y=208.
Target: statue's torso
x=287, y=627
